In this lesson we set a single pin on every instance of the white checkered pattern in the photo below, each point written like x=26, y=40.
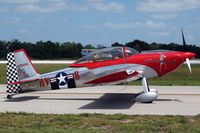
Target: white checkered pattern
x=12, y=75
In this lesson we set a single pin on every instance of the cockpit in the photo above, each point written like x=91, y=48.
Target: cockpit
x=107, y=54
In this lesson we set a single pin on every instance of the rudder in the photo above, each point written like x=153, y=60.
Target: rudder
x=12, y=75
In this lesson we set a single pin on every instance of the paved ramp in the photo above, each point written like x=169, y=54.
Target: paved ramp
x=172, y=100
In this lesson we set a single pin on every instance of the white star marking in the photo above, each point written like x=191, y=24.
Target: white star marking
x=61, y=78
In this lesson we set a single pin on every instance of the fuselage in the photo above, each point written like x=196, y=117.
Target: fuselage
x=113, y=71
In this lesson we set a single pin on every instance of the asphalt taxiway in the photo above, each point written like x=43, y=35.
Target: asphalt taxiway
x=172, y=100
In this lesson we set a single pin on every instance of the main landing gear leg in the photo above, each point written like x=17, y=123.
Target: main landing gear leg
x=147, y=95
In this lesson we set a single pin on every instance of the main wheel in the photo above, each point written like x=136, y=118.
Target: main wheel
x=147, y=97
x=9, y=96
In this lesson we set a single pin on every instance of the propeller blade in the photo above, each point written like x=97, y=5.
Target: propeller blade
x=183, y=37
x=188, y=64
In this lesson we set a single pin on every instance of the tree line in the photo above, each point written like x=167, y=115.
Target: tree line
x=144, y=46
x=56, y=50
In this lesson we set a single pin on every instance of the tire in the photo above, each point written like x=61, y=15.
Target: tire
x=9, y=96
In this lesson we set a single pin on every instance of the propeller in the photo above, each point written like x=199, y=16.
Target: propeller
x=188, y=64
x=187, y=59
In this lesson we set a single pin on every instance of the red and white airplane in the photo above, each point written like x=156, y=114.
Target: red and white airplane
x=106, y=66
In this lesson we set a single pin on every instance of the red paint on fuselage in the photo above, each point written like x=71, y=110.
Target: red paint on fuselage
x=112, y=77
x=97, y=64
x=161, y=62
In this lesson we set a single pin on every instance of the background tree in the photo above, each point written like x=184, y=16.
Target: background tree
x=116, y=44
x=56, y=50
x=89, y=46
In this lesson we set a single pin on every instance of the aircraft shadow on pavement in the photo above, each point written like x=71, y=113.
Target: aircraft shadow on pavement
x=168, y=100
x=84, y=99
x=112, y=101
x=107, y=101
x=28, y=98
x=22, y=99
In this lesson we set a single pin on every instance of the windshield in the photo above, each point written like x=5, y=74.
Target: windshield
x=102, y=55
x=130, y=51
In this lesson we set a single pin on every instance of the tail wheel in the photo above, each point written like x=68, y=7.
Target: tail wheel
x=9, y=96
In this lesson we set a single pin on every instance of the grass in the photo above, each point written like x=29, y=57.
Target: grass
x=181, y=76
x=51, y=123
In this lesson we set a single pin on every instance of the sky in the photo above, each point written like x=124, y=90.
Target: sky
x=100, y=21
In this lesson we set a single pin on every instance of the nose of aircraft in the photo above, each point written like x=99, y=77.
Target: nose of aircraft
x=189, y=55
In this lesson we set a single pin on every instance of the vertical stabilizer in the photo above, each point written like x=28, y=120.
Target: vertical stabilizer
x=26, y=69
x=19, y=70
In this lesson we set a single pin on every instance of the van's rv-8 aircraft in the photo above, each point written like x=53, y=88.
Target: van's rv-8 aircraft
x=106, y=66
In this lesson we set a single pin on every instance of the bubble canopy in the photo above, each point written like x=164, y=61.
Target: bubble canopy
x=107, y=54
